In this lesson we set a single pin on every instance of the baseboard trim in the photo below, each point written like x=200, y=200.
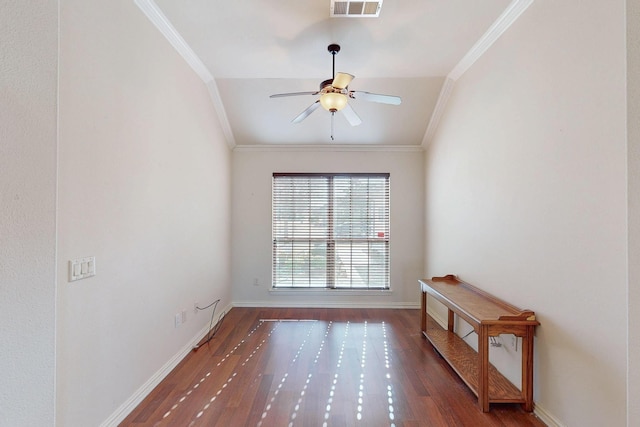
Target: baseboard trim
x=326, y=304
x=138, y=396
x=546, y=417
x=439, y=319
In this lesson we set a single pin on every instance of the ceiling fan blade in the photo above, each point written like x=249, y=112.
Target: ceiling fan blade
x=351, y=116
x=281, y=95
x=376, y=97
x=313, y=107
x=342, y=80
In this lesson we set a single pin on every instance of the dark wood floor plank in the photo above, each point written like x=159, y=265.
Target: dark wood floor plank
x=338, y=367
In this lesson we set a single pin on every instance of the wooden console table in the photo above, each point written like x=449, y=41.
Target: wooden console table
x=489, y=317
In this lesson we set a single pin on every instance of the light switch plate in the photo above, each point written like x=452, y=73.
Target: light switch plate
x=82, y=268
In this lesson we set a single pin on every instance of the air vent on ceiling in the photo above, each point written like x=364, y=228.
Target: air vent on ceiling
x=355, y=9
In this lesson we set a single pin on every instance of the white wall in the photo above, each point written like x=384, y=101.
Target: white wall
x=526, y=197
x=251, y=228
x=633, y=126
x=144, y=182
x=28, y=91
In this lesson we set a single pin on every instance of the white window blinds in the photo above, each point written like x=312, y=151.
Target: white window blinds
x=331, y=231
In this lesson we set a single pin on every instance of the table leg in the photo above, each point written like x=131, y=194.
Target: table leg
x=483, y=369
x=527, y=368
x=423, y=312
x=451, y=321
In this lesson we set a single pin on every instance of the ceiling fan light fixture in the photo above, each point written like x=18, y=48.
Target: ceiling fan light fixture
x=333, y=101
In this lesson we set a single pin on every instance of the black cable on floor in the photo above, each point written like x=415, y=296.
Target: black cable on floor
x=212, y=329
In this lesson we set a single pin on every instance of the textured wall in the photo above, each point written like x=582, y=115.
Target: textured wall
x=633, y=127
x=28, y=81
x=526, y=196
x=144, y=182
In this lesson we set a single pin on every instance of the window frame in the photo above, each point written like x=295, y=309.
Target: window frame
x=374, y=247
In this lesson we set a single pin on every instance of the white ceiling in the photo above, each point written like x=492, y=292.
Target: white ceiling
x=257, y=48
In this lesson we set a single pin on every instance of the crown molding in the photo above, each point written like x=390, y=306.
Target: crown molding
x=212, y=87
x=438, y=110
x=328, y=147
x=160, y=21
x=504, y=21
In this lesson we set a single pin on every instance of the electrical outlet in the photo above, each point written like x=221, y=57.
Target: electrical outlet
x=195, y=307
x=514, y=342
x=178, y=320
x=255, y=282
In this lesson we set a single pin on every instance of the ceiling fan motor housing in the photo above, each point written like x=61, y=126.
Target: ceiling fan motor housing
x=327, y=87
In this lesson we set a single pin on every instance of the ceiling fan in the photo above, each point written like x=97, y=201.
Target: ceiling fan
x=334, y=96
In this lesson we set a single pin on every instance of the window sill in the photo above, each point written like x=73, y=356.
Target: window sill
x=332, y=292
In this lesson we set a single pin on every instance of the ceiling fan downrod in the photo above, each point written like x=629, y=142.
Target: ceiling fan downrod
x=333, y=50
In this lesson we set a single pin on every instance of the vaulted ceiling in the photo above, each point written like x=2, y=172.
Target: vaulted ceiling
x=247, y=50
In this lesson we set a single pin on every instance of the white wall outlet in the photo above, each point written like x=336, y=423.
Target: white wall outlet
x=82, y=268
x=178, y=320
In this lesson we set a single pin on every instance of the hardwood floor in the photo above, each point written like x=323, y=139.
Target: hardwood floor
x=320, y=367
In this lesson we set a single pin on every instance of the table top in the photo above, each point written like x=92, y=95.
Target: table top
x=477, y=304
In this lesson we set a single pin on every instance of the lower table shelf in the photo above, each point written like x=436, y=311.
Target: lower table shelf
x=464, y=361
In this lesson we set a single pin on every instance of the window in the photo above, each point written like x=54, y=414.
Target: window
x=330, y=231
